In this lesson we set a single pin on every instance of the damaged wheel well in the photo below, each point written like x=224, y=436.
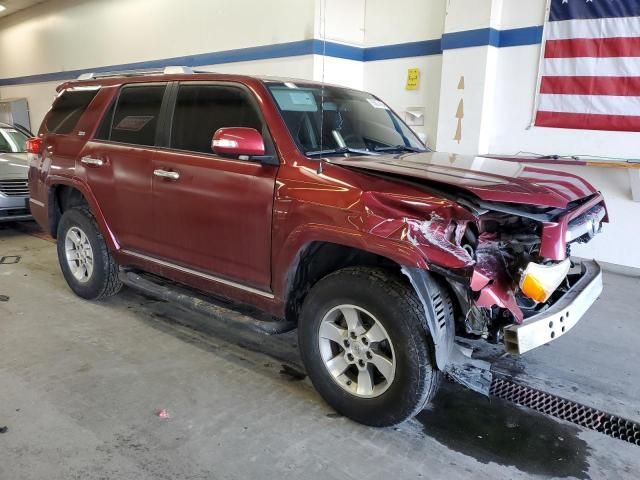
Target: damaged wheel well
x=61, y=199
x=319, y=259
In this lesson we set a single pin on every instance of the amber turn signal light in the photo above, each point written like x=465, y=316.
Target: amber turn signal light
x=538, y=282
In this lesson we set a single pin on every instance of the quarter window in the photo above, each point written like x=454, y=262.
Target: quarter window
x=202, y=109
x=67, y=110
x=136, y=115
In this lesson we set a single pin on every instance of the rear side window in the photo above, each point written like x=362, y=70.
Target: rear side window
x=202, y=109
x=135, y=117
x=67, y=110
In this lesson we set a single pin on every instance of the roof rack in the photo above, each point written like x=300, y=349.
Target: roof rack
x=170, y=70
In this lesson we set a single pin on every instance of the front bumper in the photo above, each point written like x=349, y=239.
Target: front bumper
x=560, y=317
x=14, y=209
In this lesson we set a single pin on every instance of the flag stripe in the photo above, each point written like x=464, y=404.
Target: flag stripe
x=593, y=47
x=622, y=123
x=590, y=73
x=623, y=86
x=600, y=104
x=587, y=9
x=591, y=67
x=599, y=28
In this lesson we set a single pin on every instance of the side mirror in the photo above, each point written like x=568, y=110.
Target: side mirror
x=238, y=141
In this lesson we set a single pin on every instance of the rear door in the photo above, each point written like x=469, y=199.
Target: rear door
x=117, y=163
x=215, y=215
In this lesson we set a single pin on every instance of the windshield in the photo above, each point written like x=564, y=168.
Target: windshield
x=12, y=141
x=334, y=120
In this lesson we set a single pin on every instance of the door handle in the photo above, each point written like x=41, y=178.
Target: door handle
x=166, y=174
x=95, y=162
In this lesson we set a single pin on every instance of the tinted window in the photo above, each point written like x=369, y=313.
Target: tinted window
x=135, y=119
x=202, y=109
x=12, y=141
x=67, y=110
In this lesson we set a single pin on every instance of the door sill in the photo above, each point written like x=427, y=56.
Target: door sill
x=198, y=274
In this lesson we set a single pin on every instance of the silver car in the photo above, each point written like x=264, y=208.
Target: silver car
x=14, y=168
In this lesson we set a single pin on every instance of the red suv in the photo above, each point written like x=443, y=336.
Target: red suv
x=318, y=208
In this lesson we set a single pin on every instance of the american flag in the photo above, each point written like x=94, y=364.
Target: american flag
x=590, y=71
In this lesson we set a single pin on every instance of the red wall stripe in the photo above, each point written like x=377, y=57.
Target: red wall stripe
x=586, y=121
x=624, y=86
x=593, y=47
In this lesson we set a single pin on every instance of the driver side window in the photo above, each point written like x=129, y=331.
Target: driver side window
x=201, y=110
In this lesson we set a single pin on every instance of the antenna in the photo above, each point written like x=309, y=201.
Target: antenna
x=323, y=30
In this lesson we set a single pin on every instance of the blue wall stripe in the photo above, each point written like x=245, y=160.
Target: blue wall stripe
x=470, y=38
x=521, y=36
x=338, y=50
x=490, y=36
x=466, y=39
x=403, y=50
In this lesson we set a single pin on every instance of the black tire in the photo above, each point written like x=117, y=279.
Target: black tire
x=395, y=305
x=104, y=281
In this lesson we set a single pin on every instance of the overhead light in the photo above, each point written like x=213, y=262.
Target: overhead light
x=2, y=8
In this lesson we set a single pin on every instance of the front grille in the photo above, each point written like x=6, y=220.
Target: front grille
x=568, y=410
x=14, y=188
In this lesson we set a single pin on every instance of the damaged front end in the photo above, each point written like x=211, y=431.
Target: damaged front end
x=523, y=267
x=506, y=265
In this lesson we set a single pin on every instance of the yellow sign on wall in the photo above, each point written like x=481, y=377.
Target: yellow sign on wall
x=413, y=78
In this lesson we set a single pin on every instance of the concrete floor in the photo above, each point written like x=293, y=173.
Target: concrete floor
x=81, y=384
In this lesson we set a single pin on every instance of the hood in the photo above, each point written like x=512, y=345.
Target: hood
x=14, y=165
x=489, y=179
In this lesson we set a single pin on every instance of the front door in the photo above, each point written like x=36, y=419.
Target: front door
x=213, y=213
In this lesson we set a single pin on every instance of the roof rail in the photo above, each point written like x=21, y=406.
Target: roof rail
x=170, y=70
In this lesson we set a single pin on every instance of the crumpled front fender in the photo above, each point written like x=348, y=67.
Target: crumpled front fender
x=432, y=225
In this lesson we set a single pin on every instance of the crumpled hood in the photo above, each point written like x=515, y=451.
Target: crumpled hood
x=14, y=165
x=489, y=179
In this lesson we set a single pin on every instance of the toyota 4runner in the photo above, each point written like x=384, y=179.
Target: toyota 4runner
x=318, y=208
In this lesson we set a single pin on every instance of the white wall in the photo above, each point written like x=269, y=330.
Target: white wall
x=64, y=35
x=387, y=79
x=401, y=22
x=74, y=34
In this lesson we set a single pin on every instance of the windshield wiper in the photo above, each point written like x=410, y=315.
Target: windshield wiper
x=337, y=151
x=399, y=148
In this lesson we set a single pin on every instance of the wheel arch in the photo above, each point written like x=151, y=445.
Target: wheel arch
x=320, y=256
x=63, y=195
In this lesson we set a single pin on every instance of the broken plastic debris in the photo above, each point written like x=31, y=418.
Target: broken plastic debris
x=163, y=413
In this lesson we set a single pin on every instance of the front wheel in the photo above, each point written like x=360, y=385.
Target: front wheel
x=364, y=345
x=85, y=261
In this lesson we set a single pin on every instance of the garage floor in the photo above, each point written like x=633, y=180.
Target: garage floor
x=81, y=384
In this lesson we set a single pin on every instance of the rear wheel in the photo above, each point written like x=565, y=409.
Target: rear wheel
x=84, y=258
x=365, y=348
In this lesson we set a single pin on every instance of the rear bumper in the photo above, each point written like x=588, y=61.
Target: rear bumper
x=13, y=209
x=561, y=317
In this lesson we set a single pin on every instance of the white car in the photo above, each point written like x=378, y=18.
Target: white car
x=14, y=168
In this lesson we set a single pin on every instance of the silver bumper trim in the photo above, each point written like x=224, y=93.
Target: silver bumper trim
x=561, y=317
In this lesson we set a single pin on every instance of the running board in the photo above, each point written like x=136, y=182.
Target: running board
x=192, y=301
